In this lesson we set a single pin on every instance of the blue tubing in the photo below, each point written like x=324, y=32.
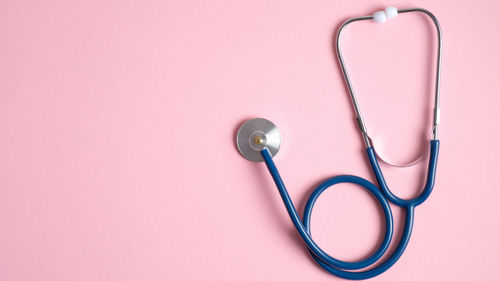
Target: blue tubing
x=383, y=195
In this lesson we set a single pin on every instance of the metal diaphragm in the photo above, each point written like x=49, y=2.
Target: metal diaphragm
x=255, y=135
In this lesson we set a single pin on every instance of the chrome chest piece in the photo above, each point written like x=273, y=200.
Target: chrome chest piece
x=255, y=135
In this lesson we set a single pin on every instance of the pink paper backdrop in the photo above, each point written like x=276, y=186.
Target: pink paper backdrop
x=117, y=124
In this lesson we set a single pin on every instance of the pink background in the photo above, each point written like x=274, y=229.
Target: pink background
x=117, y=124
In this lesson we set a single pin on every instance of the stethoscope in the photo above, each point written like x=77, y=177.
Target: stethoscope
x=259, y=140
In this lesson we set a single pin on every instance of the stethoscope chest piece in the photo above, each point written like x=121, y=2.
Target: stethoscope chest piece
x=255, y=135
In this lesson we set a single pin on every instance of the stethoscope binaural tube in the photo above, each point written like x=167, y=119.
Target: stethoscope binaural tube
x=381, y=16
x=341, y=268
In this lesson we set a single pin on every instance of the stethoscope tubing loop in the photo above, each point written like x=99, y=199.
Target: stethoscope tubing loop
x=383, y=195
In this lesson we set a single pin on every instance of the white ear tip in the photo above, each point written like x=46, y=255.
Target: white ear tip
x=391, y=12
x=379, y=16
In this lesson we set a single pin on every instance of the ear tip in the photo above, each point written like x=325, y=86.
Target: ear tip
x=388, y=13
x=379, y=16
x=391, y=12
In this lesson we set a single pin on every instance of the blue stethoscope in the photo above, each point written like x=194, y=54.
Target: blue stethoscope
x=259, y=140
